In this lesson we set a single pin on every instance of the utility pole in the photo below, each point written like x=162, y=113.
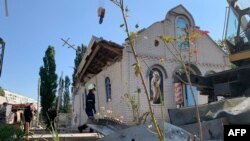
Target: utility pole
x=6, y=8
x=2, y=47
x=66, y=42
x=38, y=100
x=59, y=99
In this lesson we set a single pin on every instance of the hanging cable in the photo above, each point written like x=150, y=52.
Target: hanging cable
x=6, y=8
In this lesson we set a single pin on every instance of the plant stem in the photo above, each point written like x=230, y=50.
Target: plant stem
x=195, y=104
x=187, y=72
x=157, y=127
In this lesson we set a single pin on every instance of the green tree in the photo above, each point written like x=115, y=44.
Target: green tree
x=2, y=93
x=48, y=82
x=79, y=54
x=66, y=97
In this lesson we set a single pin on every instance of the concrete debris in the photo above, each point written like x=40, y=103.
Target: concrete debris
x=183, y=124
x=212, y=130
x=113, y=130
x=146, y=132
x=106, y=126
x=236, y=111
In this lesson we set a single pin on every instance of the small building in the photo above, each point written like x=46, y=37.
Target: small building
x=110, y=67
x=15, y=99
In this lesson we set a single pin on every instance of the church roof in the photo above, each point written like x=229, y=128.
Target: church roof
x=100, y=54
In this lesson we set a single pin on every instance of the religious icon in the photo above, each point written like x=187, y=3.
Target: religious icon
x=155, y=87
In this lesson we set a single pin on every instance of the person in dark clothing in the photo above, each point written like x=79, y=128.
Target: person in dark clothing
x=28, y=115
x=3, y=112
x=90, y=106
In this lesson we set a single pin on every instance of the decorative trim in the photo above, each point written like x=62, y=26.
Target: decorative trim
x=171, y=60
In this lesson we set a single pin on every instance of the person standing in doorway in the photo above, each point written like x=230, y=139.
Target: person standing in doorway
x=90, y=101
x=90, y=106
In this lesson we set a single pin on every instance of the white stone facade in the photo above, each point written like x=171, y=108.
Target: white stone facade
x=122, y=75
x=15, y=98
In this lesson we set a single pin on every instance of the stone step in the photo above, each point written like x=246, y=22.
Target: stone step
x=66, y=137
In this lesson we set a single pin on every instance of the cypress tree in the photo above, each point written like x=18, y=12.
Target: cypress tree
x=48, y=82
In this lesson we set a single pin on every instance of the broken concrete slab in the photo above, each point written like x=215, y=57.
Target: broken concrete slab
x=212, y=130
x=146, y=132
x=106, y=126
x=236, y=110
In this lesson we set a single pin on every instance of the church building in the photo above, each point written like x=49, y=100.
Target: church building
x=110, y=67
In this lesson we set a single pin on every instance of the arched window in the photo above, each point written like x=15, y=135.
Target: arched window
x=108, y=89
x=156, y=85
x=181, y=32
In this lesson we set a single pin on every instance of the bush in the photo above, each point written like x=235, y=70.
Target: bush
x=10, y=133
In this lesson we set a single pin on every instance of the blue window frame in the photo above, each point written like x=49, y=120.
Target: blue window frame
x=181, y=32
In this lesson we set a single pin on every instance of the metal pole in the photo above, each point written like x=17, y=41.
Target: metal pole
x=2, y=43
x=60, y=90
x=6, y=8
x=38, y=101
x=69, y=45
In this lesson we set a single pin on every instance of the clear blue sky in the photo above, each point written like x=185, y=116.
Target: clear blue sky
x=32, y=25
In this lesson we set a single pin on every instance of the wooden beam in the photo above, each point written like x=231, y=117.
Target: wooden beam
x=106, y=57
x=92, y=70
x=239, y=56
x=100, y=62
x=114, y=50
x=89, y=61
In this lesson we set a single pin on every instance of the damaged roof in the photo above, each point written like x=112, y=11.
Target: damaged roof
x=100, y=54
